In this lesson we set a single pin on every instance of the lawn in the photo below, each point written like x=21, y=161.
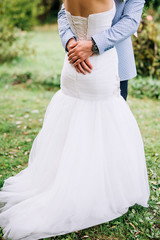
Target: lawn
x=22, y=109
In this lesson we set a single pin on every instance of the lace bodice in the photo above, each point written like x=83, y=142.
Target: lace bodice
x=85, y=27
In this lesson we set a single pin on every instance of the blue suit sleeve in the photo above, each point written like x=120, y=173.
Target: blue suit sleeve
x=64, y=29
x=124, y=28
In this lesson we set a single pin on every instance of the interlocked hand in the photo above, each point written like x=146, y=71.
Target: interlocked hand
x=78, y=54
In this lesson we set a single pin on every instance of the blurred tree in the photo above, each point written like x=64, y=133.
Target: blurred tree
x=152, y=3
x=16, y=16
x=51, y=8
x=20, y=13
x=147, y=49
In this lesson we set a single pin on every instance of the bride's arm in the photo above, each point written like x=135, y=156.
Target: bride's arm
x=124, y=28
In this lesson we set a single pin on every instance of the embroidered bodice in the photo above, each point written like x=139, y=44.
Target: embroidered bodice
x=85, y=27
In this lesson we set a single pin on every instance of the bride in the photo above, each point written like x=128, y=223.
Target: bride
x=87, y=164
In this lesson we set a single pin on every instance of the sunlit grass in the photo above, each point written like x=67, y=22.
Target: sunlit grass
x=48, y=58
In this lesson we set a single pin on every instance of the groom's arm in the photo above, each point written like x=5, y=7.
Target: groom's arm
x=66, y=35
x=125, y=27
x=65, y=31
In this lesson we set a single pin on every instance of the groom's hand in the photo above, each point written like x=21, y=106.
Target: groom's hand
x=79, y=53
x=70, y=44
x=81, y=50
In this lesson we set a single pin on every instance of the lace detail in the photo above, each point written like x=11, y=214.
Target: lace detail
x=79, y=26
x=85, y=27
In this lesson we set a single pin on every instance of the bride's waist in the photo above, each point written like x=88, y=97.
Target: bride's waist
x=99, y=84
x=105, y=64
x=109, y=54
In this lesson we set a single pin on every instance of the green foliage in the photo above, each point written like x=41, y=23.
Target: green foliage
x=157, y=15
x=13, y=43
x=15, y=16
x=51, y=8
x=45, y=64
x=152, y=3
x=20, y=13
x=147, y=49
x=147, y=87
x=32, y=81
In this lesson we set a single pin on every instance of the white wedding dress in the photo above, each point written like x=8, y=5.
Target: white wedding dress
x=87, y=164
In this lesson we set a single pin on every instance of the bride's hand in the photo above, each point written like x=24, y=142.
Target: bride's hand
x=79, y=52
x=84, y=66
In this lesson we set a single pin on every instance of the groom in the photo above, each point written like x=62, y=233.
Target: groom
x=125, y=23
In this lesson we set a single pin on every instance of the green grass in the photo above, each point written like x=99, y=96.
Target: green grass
x=21, y=118
x=48, y=58
x=22, y=110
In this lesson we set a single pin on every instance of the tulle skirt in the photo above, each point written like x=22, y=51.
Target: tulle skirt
x=86, y=167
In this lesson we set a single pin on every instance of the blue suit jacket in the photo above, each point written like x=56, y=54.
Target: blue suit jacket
x=125, y=23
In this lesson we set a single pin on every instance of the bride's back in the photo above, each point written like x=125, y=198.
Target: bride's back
x=84, y=8
x=103, y=81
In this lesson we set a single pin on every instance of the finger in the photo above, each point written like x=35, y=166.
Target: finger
x=71, y=51
x=81, y=69
x=77, y=62
x=73, y=44
x=74, y=59
x=85, y=67
x=88, y=64
x=77, y=69
x=71, y=56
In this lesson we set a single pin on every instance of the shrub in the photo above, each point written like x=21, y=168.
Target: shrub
x=13, y=43
x=148, y=87
x=20, y=13
x=31, y=80
x=15, y=16
x=147, y=49
x=50, y=9
x=152, y=3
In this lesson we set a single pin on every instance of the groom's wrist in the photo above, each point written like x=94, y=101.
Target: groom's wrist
x=73, y=39
x=94, y=47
